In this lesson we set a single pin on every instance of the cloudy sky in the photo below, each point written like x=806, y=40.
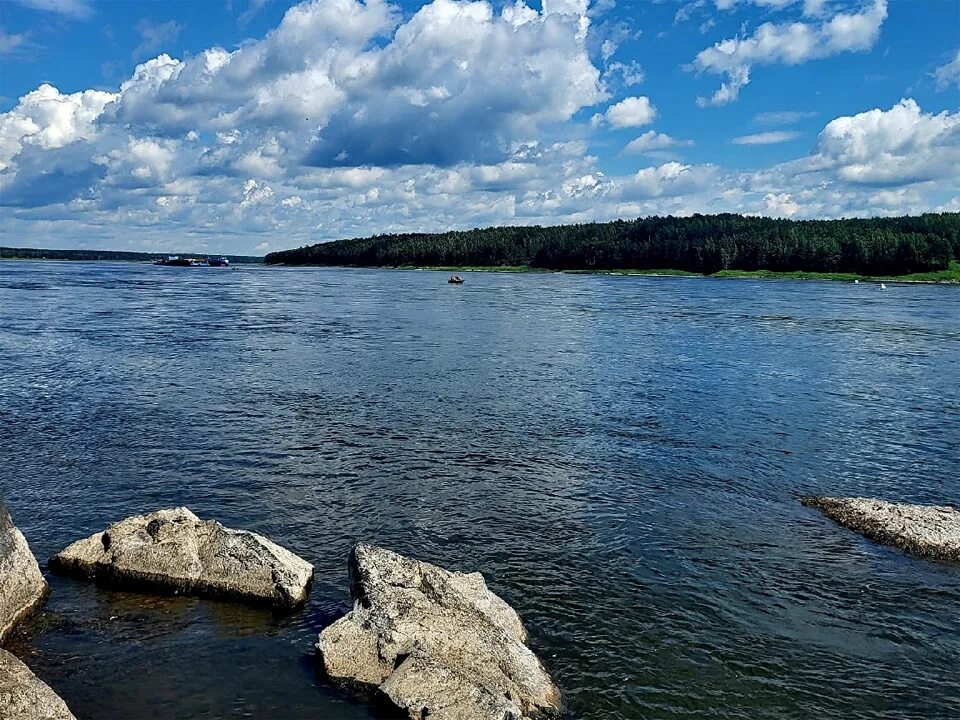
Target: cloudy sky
x=252, y=125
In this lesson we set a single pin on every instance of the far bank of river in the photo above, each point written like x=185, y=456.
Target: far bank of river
x=950, y=276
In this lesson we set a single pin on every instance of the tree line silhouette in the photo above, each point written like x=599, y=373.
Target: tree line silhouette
x=700, y=243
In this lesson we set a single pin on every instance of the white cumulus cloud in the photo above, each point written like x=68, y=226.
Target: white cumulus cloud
x=454, y=81
x=653, y=140
x=896, y=145
x=339, y=83
x=48, y=119
x=629, y=112
x=788, y=44
x=629, y=74
x=255, y=193
x=879, y=162
x=354, y=118
x=780, y=205
x=671, y=179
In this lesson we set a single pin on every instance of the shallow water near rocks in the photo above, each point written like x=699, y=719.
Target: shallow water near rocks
x=619, y=456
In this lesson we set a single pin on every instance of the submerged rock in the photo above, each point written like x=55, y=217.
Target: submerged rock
x=435, y=644
x=929, y=531
x=22, y=587
x=175, y=551
x=23, y=696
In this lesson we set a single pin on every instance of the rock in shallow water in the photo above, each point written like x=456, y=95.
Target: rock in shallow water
x=22, y=587
x=23, y=696
x=929, y=531
x=175, y=551
x=435, y=644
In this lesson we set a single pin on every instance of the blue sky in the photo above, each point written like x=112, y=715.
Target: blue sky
x=252, y=125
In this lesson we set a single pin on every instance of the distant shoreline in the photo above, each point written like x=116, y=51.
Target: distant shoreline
x=950, y=276
x=5, y=258
x=920, y=248
x=41, y=254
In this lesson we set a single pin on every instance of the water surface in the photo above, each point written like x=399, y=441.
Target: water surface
x=619, y=456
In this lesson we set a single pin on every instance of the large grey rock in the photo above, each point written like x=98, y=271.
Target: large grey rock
x=929, y=531
x=23, y=696
x=22, y=587
x=435, y=644
x=175, y=551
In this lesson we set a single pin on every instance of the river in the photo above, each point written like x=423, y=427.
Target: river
x=619, y=456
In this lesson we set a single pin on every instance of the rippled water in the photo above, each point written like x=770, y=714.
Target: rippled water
x=620, y=457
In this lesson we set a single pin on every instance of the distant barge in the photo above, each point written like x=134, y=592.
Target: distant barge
x=177, y=261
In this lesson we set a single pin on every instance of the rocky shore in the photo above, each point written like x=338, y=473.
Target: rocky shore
x=434, y=643
x=23, y=696
x=174, y=551
x=421, y=640
x=929, y=531
x=23, y=587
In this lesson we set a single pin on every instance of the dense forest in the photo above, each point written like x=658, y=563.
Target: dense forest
x=701, y=243
x=8, y=253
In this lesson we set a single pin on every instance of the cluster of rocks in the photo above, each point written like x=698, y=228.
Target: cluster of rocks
x=420, y=639
x=170, y=551
x=23, y=696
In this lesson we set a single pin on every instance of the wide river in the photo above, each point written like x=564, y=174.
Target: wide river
x=619, y=456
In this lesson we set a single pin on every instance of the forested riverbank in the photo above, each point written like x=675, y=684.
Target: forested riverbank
x=701, y=244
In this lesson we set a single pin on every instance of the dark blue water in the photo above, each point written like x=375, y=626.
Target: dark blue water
x=619, y=456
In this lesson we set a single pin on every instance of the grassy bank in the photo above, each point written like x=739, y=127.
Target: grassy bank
x=950, y=275
x=629, y=271
x=528, y=268
x=471, y=268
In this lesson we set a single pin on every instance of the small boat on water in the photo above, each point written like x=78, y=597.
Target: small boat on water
x=177, y=261
x=455, y=280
